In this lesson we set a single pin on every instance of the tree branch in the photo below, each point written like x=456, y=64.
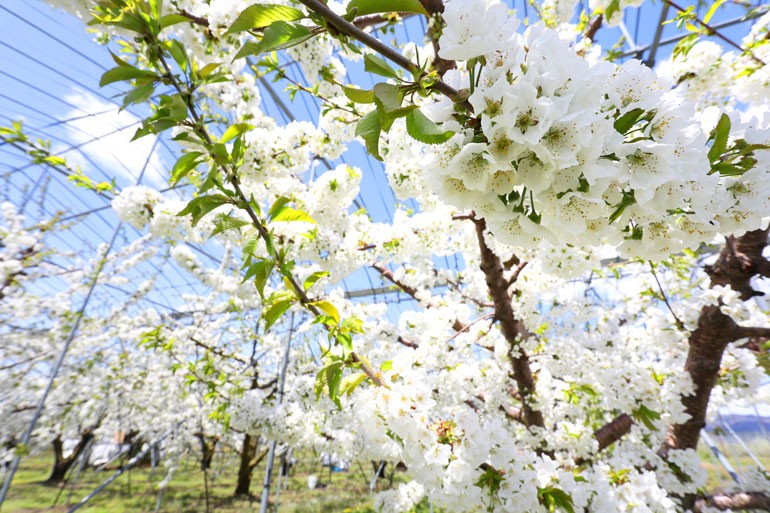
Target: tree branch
x=714, y=32
x=734, y=501
x=349, y=29
x=510, y=327
x=613, y=431
x=753, y=332
x=738, y=262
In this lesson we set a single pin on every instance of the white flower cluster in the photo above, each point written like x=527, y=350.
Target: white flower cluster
x=577, y=153
x=399, y=500
x=134, y=205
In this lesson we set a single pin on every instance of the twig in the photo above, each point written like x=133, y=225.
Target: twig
x=713, y=32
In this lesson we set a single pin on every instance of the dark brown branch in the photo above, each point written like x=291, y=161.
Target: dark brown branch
x=714, y=32
x=435, y=9
x=613, y=431
x=411, y=291
x=377, y=19
x=593, y=27
x=511, y=328
x=516, y=272
x=737, y=264
x=753, y=332
x=218, y=352
x=349, y=29
x=405, y=342
x=734, y=501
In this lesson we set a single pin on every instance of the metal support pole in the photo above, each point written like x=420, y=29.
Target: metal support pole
x=271, y=452
x=28, y=434
x=740, y=441
x=720, y=457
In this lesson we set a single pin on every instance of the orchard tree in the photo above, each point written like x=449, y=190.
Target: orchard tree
x=514, y=386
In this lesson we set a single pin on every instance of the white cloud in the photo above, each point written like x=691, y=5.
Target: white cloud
x=108, y=147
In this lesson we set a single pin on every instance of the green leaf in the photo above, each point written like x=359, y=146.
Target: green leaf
x=349, y=383
x=365, y=7
x=208, y=69
x=625, y=122
x=234, y=131
x=369, y=128
x=424, y=130
x=646, y=416
x=277, y=36
x=172, y=19
x=277, y=206
x=260, y=271
x=262, y=15
x=224, y=223
x=202, y=205
x=555, y=499
x=378, y=66
x=611, y=9
x=275, y=312
x=328, y=308
x=186, y=162
x=288, y=214
x=713, y=9
x=310, y=280
x=358, y=95
x=126, y=72
x=720, y=134
x=387, y=97
x=139, y=94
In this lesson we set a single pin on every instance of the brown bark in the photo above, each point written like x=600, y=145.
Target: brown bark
x=739, y=261
x=435, y=25
x=208, y=447
x=734, y=501
x=61, y=464
x=613, y=430
x=511, y=328
x=248, y=453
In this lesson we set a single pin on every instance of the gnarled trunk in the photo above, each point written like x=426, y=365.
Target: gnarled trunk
x=61, y=464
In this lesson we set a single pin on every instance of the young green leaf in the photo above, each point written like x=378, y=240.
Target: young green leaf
x=277, y=206
x=378, y=66
x=277, y=36
x=329, y=309
x=349, y=383
x=358, y=95
x=275, y=312
x=720, y=134
x=202, y=205
x=365, y=7
x=224, y=223
x=288, y=214
x=369, y=128
x=624, y=123
x=172, y=19
x=126, y=72
x=310, y=280
x=421, y=128
x=234, y=131
x=262, y=15
x=186, y=162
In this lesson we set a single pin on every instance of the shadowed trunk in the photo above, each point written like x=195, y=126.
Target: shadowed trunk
x=249, y=460
x=61, y=464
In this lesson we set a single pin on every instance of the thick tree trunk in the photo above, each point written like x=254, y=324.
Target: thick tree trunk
x=248, y=453
x=61, y=464
x=208, y=447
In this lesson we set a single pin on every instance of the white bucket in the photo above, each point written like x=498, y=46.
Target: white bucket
x=312, y=481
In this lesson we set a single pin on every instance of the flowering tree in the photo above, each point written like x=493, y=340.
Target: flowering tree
x=512, y=387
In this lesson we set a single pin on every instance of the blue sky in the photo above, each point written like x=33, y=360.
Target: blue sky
x=49, y=79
